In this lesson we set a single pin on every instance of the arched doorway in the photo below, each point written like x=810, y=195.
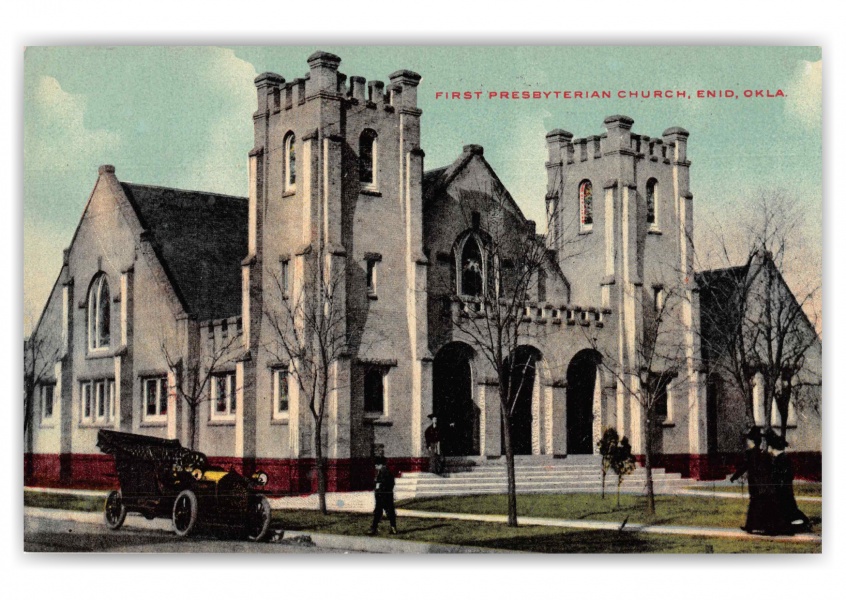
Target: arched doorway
x=581, y=389
x=452, y=400
x=523, y=378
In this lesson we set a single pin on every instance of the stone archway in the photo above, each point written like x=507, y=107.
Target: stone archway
x=582, y=386
x=523, y=381
x=452, y=400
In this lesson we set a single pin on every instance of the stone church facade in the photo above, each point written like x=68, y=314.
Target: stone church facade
x=156, y=280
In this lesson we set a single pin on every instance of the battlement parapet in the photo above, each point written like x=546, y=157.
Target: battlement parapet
x=221, y=333
x=325, y=80
x=565, y=149
x=538, y=313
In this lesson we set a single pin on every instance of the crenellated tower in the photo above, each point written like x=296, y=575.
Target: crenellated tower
x=621, y=224
x=335, y=184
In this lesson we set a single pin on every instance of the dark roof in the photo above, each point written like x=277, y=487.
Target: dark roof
x=728, y=274
x=433, y=181
x=200, y=239
x=719, y=307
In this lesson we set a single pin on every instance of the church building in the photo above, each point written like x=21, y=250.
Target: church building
x=167, y=314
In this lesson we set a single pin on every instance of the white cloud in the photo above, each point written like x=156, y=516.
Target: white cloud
x=223, y=163
x=804, y=94
x=55, y=129
x=57, y=143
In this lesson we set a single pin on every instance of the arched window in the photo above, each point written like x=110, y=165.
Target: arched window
x=367, y=156
x=290, y=162
x=472, y=276
x=99, y=313
x=586, y=205
x=650, y=202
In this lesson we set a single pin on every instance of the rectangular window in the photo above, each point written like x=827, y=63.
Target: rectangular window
x=283, y=277
x=100, y=395
x=371, y=277
x=48, y=396
x=87, y=402
x=280, y=393
x=223, y=396
x=110, y=390
x=97, y=398
x=541, y=285
x=661, y=400
x=658, y=298
x=374, y=391
x=155, y=398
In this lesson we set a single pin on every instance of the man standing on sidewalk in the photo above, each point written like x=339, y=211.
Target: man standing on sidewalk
x=384, y=492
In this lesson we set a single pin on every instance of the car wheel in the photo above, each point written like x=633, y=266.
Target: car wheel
x=258, y=518
x=185, y=513
x=114, y=510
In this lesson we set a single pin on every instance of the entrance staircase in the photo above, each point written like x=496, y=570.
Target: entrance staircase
x=534, y=474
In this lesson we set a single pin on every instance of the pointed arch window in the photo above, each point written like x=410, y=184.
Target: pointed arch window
x=651, y=213
x=471, y=268
x=586, y=205
x=476, y=267
x=99, y=313
x=290, y=162
x=368, y=150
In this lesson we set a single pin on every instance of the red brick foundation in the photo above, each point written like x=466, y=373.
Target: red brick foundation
x=294, y=477
x=285, y=476
x=806, y=465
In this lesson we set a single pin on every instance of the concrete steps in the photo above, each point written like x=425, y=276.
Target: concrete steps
x=534, y=474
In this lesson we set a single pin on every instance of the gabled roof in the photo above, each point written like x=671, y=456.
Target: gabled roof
x=436, y=181
x=200, y=239
x=720, y=306
x=729, y=276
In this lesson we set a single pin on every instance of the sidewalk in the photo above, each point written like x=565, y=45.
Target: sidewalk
x=744, y=495
x=611, y=526
x=363, y=502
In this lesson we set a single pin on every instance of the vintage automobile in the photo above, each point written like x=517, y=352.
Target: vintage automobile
x=160, y=478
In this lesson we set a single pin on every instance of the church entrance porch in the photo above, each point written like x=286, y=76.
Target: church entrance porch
x=452, y=400
x=582, y=388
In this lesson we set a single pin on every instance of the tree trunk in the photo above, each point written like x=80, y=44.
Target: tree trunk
x=750, y=408
x=29, y=395
x=619, y=483
x=783, y=419
x=509, y=464
x=192, y=408
x=29, y=412
x=320, y=465
x=603, y=484
x=650, y=486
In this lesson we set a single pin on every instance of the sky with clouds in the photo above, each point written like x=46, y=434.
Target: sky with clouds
x=181, y=117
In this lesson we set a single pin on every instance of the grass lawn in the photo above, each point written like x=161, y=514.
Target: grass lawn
x=64, y=501
x=670, y=510
x=800, y=488
x=485, y=535
x=531, y=538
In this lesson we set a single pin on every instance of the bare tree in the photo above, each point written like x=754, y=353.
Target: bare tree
x=196, y=371
x=660, y=358
x=39, y=360
x=756, y=328
x=499, y=284
x=309, y=327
